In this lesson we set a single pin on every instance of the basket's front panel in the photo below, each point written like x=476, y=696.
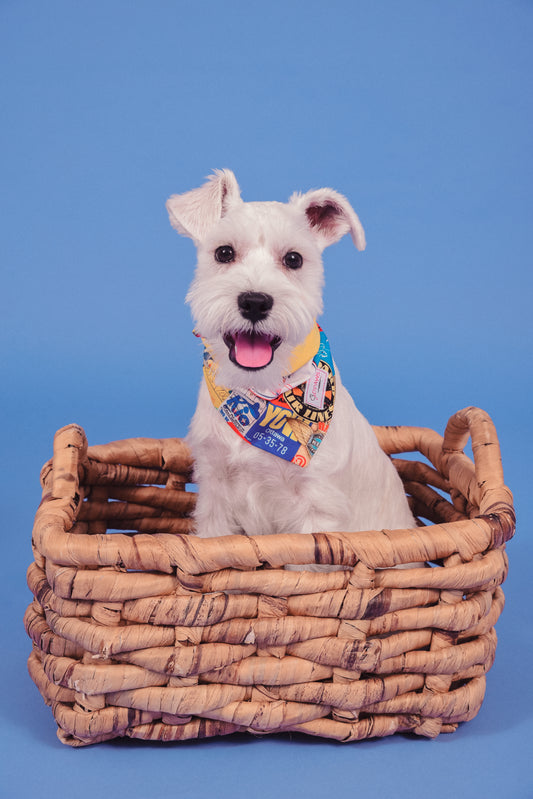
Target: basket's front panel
x=203, y=668
x=140, y=630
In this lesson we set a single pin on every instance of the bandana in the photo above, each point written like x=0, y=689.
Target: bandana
x=293, y=424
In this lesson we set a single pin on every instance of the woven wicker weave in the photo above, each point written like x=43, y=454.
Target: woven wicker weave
x=152, y=633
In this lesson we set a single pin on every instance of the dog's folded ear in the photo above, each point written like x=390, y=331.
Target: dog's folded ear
x=330, y=216
x=193, y=213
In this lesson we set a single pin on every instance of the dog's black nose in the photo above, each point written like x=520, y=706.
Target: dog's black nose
x=255, y=305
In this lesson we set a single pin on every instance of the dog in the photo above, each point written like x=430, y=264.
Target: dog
x=278, y=443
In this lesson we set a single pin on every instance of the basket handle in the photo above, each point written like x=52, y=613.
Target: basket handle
x=496, y=500
x=70, y=447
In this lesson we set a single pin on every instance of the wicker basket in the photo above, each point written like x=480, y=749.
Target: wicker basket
x=152, y=633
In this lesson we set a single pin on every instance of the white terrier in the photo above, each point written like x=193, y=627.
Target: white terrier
x=278, y=443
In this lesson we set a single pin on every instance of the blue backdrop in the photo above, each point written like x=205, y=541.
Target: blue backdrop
x=420, y=112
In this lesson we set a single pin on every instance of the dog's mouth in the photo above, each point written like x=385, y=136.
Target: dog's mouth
x=251, y=350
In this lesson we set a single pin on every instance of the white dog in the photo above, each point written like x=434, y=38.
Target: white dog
x=278, y=443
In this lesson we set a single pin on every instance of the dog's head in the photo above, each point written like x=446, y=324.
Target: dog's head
x=257, y=289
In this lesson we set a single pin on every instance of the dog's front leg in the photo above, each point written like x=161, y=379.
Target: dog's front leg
x=211, y=442
x=212, y=514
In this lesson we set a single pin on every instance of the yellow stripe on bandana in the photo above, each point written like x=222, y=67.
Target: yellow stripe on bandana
x=303, y=352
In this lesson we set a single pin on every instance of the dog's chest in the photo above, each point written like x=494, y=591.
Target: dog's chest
x=268, y=494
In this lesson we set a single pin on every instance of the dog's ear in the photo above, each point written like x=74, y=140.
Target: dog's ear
x=193, y=213
x=330, y=216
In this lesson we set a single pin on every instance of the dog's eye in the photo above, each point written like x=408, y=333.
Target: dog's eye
x=293, y=260
x=225, y=254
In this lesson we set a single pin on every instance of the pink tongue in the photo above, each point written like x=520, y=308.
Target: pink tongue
x=252, y=351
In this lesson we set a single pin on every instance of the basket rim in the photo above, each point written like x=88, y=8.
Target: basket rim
x=481, y=482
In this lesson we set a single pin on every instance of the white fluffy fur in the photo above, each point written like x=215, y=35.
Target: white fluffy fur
x=350, y=484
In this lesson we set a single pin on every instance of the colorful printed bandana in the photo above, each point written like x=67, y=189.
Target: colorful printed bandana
x=291, y=425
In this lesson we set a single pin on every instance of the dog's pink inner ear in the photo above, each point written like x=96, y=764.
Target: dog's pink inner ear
x=223, y=199
x=323, y=217
x=330, y=216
